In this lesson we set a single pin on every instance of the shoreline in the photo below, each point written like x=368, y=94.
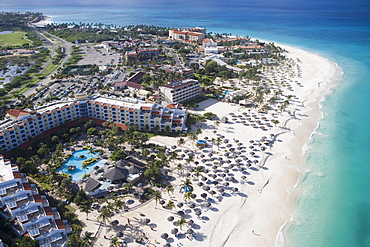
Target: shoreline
x=333, y=82
x=260, y=213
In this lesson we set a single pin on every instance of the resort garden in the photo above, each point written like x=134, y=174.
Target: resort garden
x=44, y=158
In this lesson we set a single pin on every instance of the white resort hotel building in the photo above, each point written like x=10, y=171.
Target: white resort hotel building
x=21, y=125
x=28, y=212
x=179, y=91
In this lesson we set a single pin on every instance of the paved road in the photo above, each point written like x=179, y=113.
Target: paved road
x=67, y=49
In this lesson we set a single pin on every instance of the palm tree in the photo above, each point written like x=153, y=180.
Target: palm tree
x=91, y=151
x=180, y=141
x=128, y=187
x=86, y=207
x=275, y=121
x=114, y=242
x=118, y=204
x=157, y=196
x=198, y=170
x=179, y=168
x=87, y=238
x=181, y=222
x=170, y=189
x=187, y=184
x=171, y=205
x=187, y=196
x=192, y=136
x=104, y=215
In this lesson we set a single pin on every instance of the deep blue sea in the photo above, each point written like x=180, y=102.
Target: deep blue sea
x=334, y=206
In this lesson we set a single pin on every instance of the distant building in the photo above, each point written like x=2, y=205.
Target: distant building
x=126, y=85
x=179, y=91
x=29, y=213
x=185, y=72
x=196, y=34
x=142, y=54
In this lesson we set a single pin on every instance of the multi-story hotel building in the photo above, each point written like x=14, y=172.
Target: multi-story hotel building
x=20, y=125
x=197, y=34
x=147, y=53
x=29, y=212
x=179, y=91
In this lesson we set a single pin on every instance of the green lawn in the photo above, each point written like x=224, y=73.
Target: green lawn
x=15, y=39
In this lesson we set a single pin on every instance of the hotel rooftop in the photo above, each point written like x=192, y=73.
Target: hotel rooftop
x=29, y=212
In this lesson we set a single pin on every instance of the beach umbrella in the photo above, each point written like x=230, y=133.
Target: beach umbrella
x=198, y=213
x=255, y=161
x=181, y=213
x=115, y=222
x=210, y=154
x=251, y=147
x=221, y=190
x=212, y=192
x=251, y=141
x=173, y=147
x=179, y=205
x=226, y=170
x=226, y=140
x=182, y=155
x=215, y=182
x=214, y=176
x=186, y=151
x=146, y=221
x=167, y=245
x=200, y=184
x=222, y=175
x=189, y=231
x=206, y=188
x=204, y=195
x=243, y=177
x=235, y=189
x=227, y=179
x=208, y=204
x=164, y=235
x=174, y=231
x=196, y=162
x=192, y=205
x=205, y=138
x=252, y=153
x=193, y=196
x=190, y=222
x=162, y=202
x=202, y=156
x=170, y=218
x=119, y=234
x=226, y=184
x=187, y=174
x=96, y=167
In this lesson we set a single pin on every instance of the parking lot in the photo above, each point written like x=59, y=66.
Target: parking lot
x=98, y=56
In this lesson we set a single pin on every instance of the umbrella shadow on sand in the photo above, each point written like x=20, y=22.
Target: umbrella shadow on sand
x=199, y=237
x=250, y=183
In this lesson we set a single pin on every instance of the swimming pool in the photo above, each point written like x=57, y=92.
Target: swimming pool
x=228, y=91
x=75, y=161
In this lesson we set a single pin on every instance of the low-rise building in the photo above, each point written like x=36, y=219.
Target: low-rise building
x=196, y=34
x=179, y=91
x=29, y=212
x=142, y=54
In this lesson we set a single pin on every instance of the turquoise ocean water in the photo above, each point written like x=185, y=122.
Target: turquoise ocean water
x=334, y=206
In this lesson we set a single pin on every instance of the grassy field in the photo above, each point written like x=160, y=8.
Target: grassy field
x=14, y=39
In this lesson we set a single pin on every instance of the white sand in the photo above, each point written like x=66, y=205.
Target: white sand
x=254, y=215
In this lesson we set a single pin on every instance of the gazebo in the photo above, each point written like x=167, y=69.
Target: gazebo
x=116, y=174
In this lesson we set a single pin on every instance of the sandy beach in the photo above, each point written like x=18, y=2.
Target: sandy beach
x=254, y=213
